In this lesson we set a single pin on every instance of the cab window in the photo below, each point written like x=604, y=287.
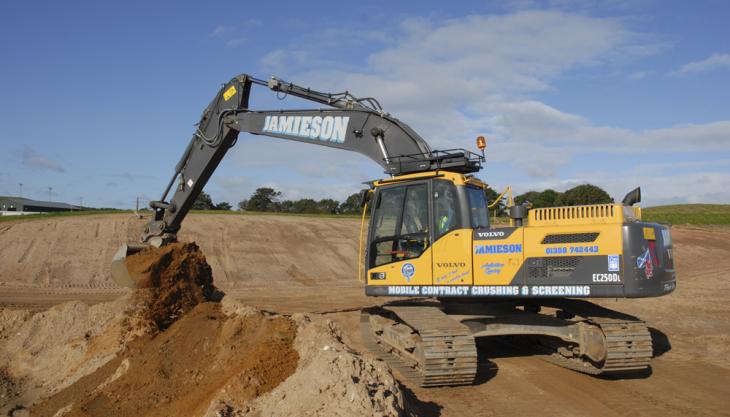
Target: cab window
x=400, y=224
x=446, y=206
x=478, y=211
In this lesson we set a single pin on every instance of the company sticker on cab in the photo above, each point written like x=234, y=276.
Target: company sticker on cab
x=613, y=263
x=408, y=270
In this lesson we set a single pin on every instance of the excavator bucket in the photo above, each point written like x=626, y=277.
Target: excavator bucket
x=120, y=274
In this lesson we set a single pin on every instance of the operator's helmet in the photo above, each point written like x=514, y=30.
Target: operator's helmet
x=449, y=202
x=449, y=196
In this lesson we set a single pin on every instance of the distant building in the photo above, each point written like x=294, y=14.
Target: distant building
x=21, y=204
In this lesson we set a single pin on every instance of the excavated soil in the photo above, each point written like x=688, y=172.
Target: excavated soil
x=166, y=349
x=179, y=372
x=219, y=359
x=172, y=279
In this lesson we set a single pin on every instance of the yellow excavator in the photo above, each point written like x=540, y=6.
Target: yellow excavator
x=428, y=242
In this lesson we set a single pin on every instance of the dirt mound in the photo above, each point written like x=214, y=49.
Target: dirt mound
x=180, y=371
x=331, y=379
x=173, y=280
x=51, y=350
x=219, y=359
x=172, y=352
x=47, y=351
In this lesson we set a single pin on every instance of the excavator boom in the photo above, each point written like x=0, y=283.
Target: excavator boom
x=348, y=123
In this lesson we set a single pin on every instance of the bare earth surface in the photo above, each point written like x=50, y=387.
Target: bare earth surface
x=302, y=264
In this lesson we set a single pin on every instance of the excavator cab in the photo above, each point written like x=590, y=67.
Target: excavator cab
x=420, y=229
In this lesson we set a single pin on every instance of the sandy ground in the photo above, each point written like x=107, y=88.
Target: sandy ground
x=300, y=264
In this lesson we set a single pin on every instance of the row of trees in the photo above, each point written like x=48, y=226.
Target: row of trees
x=204, y=202
x=580, y=195
x=269, y=200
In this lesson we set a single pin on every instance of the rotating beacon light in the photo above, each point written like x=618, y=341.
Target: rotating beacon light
x=482, y=144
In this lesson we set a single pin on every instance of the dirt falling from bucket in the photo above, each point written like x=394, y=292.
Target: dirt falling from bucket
x=172, y=280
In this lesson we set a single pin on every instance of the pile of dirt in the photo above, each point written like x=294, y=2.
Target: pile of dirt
x=219, y=359
x=43, y=352
x=181, y=370
x=331, y=379
x=172, y=279
x=166, y=349
x=51, y=350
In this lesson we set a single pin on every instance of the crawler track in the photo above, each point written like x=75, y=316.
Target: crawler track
x=628, y=349
x=447, y=354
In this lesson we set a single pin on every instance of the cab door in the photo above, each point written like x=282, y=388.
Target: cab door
x=399, y=250
x=452, y=246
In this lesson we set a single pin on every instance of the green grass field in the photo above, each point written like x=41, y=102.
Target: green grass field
x=59, y=214
x=259, y=213
x=147, y=213
x=698, y=214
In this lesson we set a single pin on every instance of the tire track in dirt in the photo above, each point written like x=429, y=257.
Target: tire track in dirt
x=28, y=249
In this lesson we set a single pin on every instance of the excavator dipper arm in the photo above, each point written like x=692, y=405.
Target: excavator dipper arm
x=348, y=123
x=352, y=124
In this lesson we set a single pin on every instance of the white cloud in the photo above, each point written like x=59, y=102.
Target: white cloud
x=527, y=122
x=274, y=60
x=452, y=80
x=231, y=188
x=638, y=75
x=296, y=169
x=700, y=187
x=221, y=30
x=236, y=42
x=32, y=159
x=447, y=79
x=577, y=5
x=234, y=189
x=232, y=35
x=131, y=177
x=714, y=62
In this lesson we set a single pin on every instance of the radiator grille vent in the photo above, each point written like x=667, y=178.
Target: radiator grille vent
x=575, y=215
x=556, y=267
x=570, y=238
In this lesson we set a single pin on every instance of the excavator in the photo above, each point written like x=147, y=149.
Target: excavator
x=428, y=242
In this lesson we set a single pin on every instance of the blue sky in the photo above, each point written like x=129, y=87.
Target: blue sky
x=98, y=99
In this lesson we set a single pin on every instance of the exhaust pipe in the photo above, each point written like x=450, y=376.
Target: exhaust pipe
x=633, y=197
x=120, y=274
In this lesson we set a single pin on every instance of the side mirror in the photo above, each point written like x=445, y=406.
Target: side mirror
x=633, y=197
x=364, y=197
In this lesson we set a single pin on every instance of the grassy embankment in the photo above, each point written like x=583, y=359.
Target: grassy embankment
x=148, y=213
x=695, y=214
x=59, y=214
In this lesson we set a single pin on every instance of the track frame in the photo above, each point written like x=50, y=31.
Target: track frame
x=433, y=344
